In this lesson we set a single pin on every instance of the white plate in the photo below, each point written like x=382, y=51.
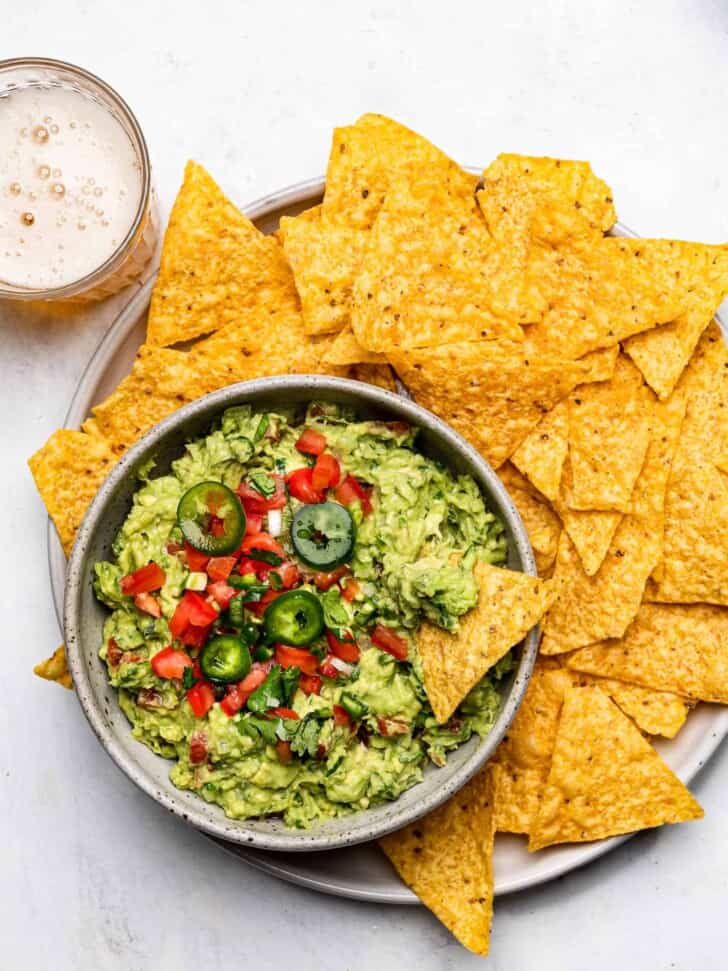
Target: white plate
x=360, y=872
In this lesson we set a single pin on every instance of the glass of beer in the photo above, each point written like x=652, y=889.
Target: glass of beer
x=77, y=214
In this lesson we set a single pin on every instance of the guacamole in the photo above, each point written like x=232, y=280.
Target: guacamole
x=264, y=598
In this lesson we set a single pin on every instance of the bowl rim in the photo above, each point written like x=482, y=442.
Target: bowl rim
x=211, y=405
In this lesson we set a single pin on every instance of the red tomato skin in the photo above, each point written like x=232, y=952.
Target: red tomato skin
x=220, y=567
x=311, y=442
x=345, y=650
x=258, y=608
x=350, y=490
x=388, y=640
x=256, y=503
x=284, y=752
x=144, y=580
x=300, y=486
x=341, y=716
x=310, y=684
x=148, y=604
x=198, y=748
x=326, y=472
x=253, y=523
x=170, y=663
x=283, y=713
x=263, y=542
x=201, y=697
x=200, y=612
x=222, y=593
x=196, y=561
x=299, y=657
x=328, y=669
x=324, y=581
x=238, y=694
x=195, y=636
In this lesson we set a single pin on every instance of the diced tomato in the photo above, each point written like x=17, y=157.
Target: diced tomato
x=220, y=567
x=262, y=542
x=311, y=442
x=324, y=581
x=256, y=503
x=283, y=751
x=113, y=652
x=288, y=572
x=200, y=612
x=198, y=748
x=196, y=669
x=388, y=640
x=222, y=593
x=341, y=716
x=283, y=713
x=328, y=669
x=196, y=561
x=350, y=490
x=258, y=608
x=193, y=636
x=299, y=657
x=253, y=523
x=238, y=694
x=310, y=684
x=346, y=650
x=201, y=697
x=300, y=486
x=144, y=580
x=246, y=566
x=170, y=663
x=350, y=590
x=392, y=726
x=148, y=604
x=326, y=472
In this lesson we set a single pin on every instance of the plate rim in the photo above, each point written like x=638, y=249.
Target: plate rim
x=110, y=342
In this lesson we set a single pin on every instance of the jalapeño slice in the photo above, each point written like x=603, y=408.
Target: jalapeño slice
x=295, y=618
x=211, y=518
x=323, y=535
x=224, y=659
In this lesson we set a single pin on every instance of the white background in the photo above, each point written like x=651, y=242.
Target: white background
x=93, y=875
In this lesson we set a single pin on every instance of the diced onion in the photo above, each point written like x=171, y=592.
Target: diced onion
x=275, y=522
x=196, y=581
x=342, y=665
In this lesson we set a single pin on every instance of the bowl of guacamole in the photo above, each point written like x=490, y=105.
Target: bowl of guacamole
x=242, y=606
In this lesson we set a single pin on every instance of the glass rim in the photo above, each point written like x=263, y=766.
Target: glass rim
x=91, y=279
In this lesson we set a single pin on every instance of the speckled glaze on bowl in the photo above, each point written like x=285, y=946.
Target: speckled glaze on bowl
x=84, y=615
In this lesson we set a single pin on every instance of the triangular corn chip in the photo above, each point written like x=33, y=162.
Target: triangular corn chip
x=654, y=712
x=605, y=777
x=68, y=471
x=447, y=859
x=541, y=455
x=55, y=668
x=542, y=524
x=509, y=605
x=683, y=649
x=215, y=264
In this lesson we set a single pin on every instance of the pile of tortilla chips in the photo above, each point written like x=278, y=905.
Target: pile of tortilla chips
x=585, y=367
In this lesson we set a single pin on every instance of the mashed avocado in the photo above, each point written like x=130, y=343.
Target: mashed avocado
x=341, y=722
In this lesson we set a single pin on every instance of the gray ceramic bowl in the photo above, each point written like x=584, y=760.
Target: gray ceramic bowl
x=84, y=616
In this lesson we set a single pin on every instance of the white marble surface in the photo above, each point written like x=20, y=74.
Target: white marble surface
x=94, y=875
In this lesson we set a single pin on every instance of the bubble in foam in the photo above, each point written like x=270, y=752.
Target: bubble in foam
x=44, y=171
x=40, y=134
x=27, y=218
x=15, y=188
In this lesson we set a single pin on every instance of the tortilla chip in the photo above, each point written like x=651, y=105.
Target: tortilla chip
x=215, y=265
x=160, y=382
x=667, y=648
x=541, y=455
x=55, y=668
x=429, y=272
x=346, y=349
x=447, y=859
x=605, y=778
x=487, y=390
x=541, y=522
x=592, y=531
x=509, y=605
x=598, y=294
x=603, y=605
x=570, y=181
x=524, y=755
x=609, y=430
x=325, y=245
x=663, y=353
x=695, y=565
x=68, y=471
x=654, y=712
